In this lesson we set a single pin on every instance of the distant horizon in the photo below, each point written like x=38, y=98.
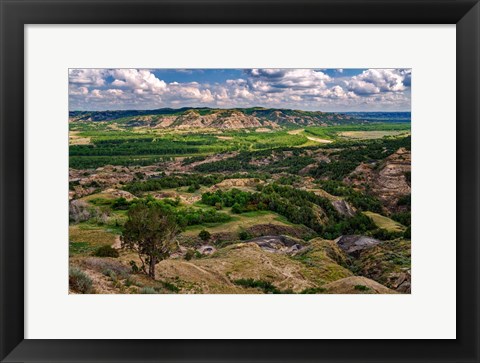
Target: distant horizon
x=240, y=108
x=324, y=89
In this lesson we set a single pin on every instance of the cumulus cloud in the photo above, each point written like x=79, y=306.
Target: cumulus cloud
x=379, y=80
x=189, y=91
x=91, y=89
x=271, y=80
x=89, y=77
x=138, y=79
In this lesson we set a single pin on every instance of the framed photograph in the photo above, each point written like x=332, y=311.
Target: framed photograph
x=239, y=181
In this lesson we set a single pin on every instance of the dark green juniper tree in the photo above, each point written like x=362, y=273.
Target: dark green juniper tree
x=204, y=235
x=151, y=232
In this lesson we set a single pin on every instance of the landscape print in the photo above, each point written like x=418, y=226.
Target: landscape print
x=239, y=181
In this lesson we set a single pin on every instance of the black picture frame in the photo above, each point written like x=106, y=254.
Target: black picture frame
x=15, y=14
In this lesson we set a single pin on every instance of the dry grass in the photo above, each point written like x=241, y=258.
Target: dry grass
x=215, y=274
x=310, y=138
x=321, y=141
x=295, y=132
x=367, y=135
x=357, y=285
x=225, y=137
x=75, y=139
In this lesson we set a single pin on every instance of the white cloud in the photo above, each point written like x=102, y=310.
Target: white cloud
x=78, y=90
x=91, y=77
x=378, y=80
x=138, y=79
x=189, y=91
x=273, y=80
x=96, y=93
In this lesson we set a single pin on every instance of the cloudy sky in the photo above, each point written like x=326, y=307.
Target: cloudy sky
x=304, y=89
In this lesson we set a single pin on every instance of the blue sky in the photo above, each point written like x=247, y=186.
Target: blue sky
x=305, y=89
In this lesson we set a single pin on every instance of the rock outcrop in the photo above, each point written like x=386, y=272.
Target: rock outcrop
x=389, y=180
x=354, y=244
x=278, y=244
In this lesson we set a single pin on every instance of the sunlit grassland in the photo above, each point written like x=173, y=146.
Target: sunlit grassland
x=368, y=135
x=385, y=222
x=239, y=222
x=369, y=131
x=86, y=237
x=144, y=146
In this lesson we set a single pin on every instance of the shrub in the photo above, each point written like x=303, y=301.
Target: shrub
x=313, y=290
x=237, y=208
x=402, y=218
x=130, y=281
x=106, y=251
x=134, y=267
x=405, y=200
x=120, y=204
x=147, y=290
x=244, y=235
x=170, y=287
x=384, y=235
x=192, y=188
x=265, y=286
x=111, y=274
x=204, y=235
x=79, y=281
x=361, y=288
x=189, y=255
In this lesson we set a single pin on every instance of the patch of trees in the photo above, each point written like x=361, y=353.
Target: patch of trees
x=232, y=164
x=384, y=235
x=193, y=159
x=354, y=153
x=192, y=216
x=404, y=218
x=185, y=216
x=193, y=181
x=288, y=179
x=358, y=224
x=147, y=146
x=359, y=200
x=173, y=181
x=287, y=160
x=292, y=165
x=92, y=162
x=405, y=200
x=298, y=206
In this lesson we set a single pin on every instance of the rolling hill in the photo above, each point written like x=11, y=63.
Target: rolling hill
x=237, y=118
